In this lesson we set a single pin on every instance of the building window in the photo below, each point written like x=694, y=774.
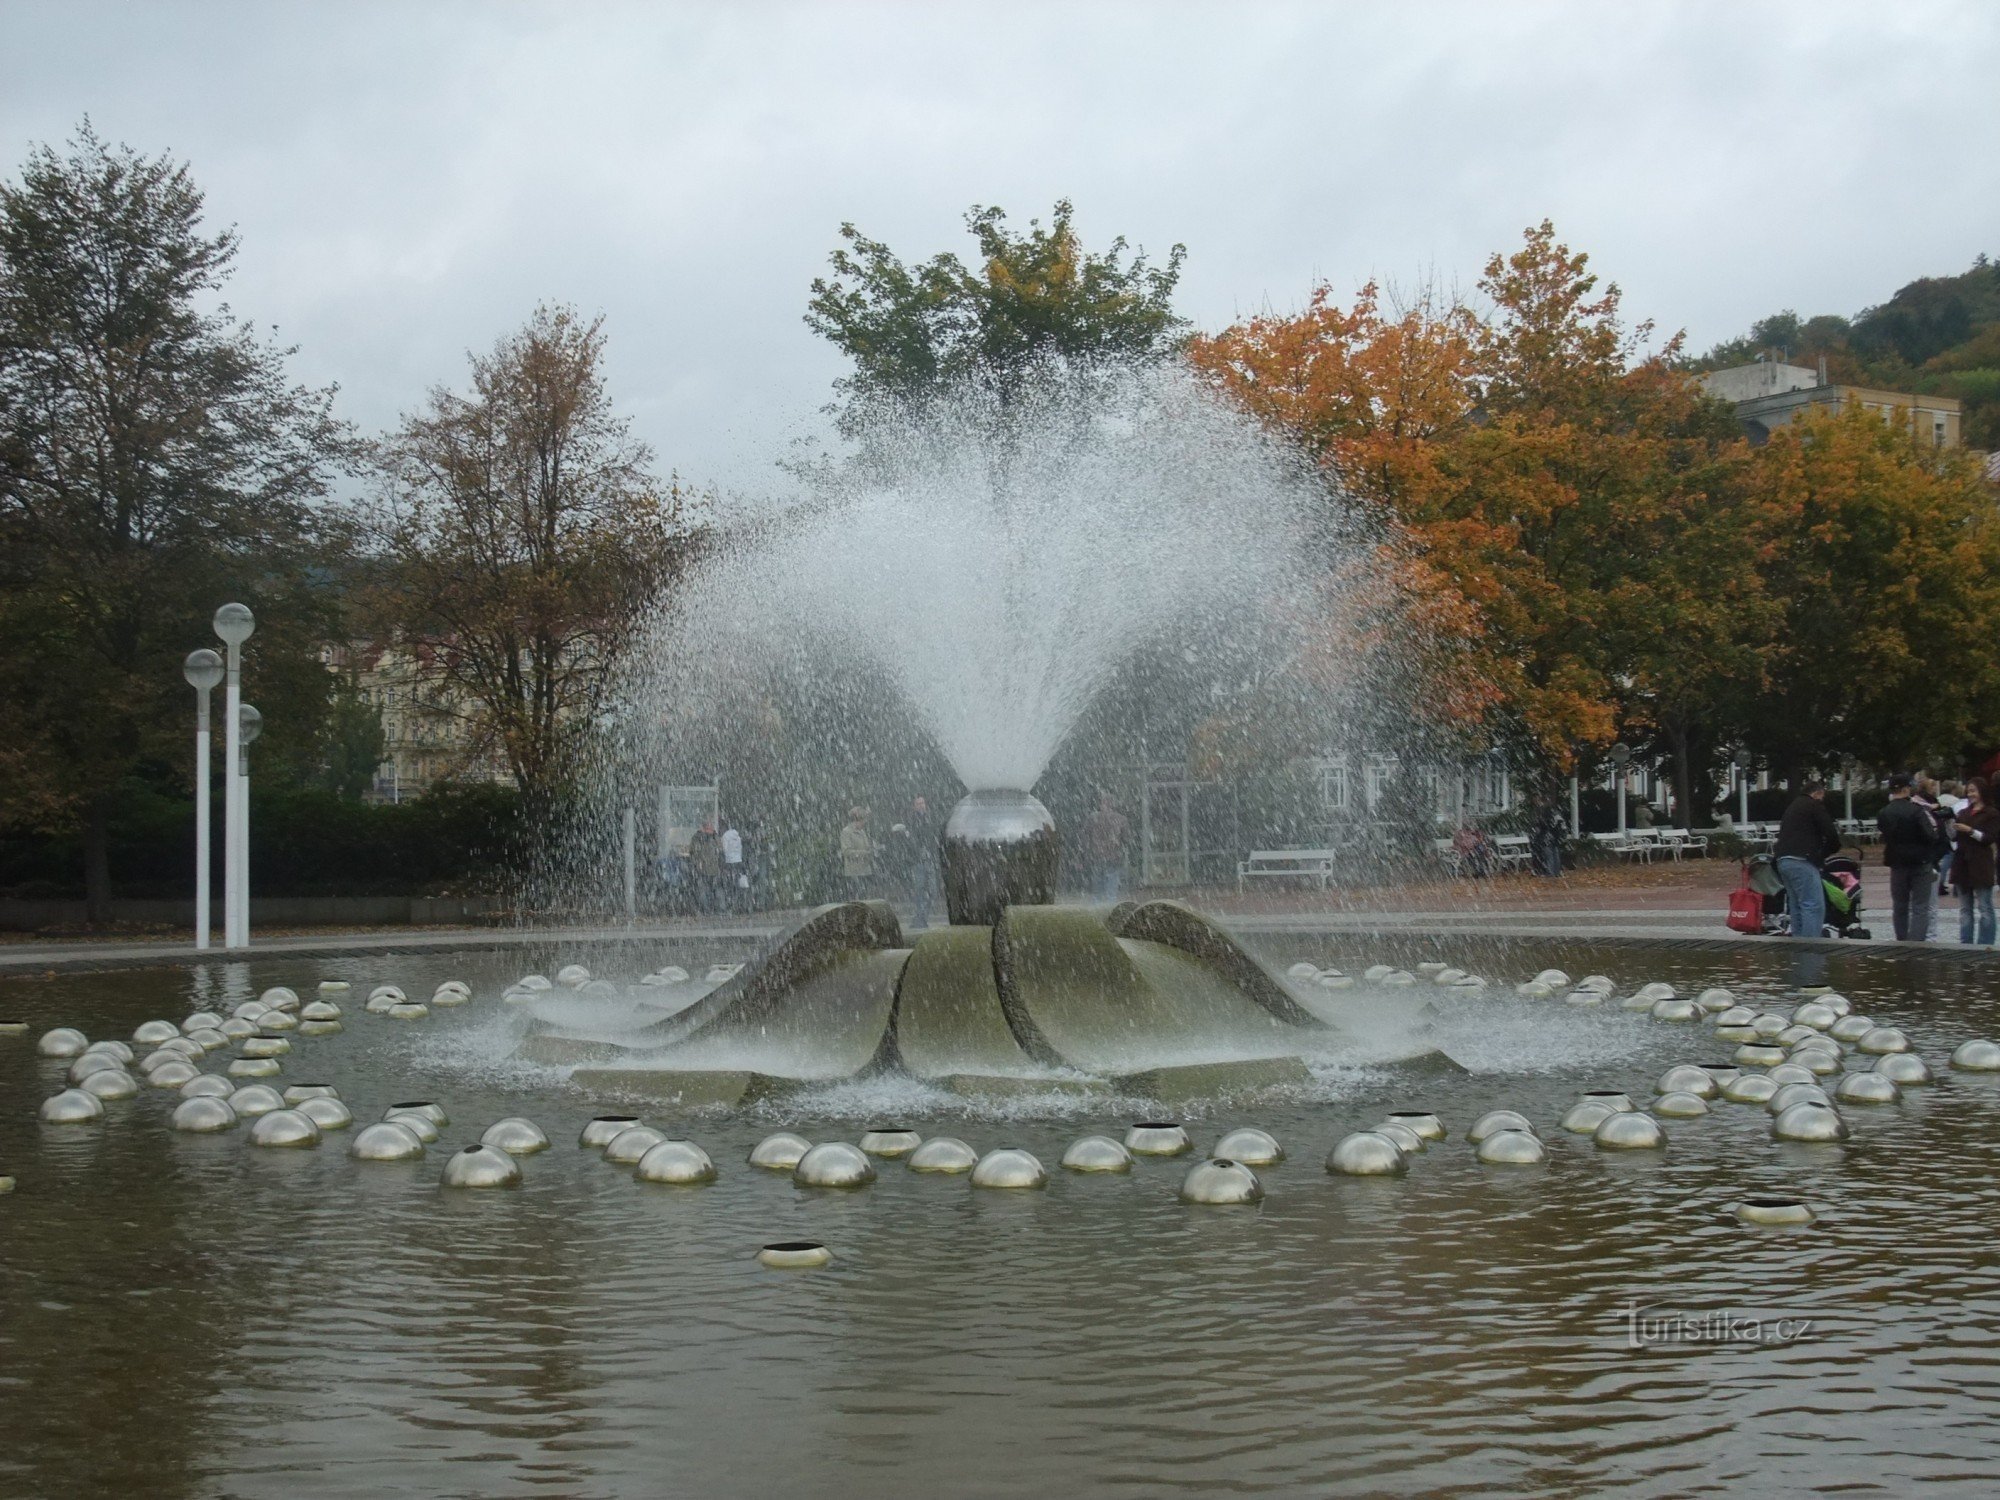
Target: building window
x=1431, y=781
x=1937, y=429
x=1335, y=786
x=1378, y=778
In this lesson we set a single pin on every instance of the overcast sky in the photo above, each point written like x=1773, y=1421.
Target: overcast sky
x=410, y=178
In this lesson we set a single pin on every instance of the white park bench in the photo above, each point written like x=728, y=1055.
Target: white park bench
x=1633, y=843
x=1510, y=852
x=1679, y=841
x=1296, y=864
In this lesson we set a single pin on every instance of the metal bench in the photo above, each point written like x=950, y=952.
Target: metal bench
x=1297, y=864
x=1679, y=841
x=1634, y=843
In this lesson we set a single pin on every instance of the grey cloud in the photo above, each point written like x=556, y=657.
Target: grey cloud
x=410, y=179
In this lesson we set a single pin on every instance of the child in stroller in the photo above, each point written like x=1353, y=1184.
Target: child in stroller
x=1840, y=878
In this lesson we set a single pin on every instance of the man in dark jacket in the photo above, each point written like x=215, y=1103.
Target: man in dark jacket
x=1910, y=846
x=1806, y=836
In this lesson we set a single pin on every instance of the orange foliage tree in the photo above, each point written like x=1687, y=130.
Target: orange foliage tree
x=1562, y=497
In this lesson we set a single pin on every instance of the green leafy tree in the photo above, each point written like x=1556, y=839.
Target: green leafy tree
x=351, y=742
x=154, y=462
x=909, y=328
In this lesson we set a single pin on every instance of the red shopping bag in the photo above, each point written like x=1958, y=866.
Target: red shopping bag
x=1746, y=908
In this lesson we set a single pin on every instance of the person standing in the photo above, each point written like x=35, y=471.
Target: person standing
x=735, y=886
x=1978, y=828
x=1909, y=850
x=857, y=856
x=1806, y=836
x=1475, y=854
x=705, y=866
x=1545, y=839
x=921, y=861
x=1924, y=903
x=1104, y=835
x=1949, y=802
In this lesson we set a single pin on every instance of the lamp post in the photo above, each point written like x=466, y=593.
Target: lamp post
x=1744, y=760
x=203, y=670
x=631, y=864
x=1621, y=757
x=249, y=724
x=233, y=623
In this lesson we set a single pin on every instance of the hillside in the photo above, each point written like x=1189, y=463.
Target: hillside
x=1939, y=335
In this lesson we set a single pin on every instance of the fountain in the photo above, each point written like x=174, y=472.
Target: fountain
x=973, y=583
x=1036, y=997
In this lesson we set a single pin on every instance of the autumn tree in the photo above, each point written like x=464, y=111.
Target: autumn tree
x=1555, y=482
x=154, y=463
x=909, y=329
x=525, y=535
x=1884, y=557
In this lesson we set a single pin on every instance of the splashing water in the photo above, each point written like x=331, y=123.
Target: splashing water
x=997, y=562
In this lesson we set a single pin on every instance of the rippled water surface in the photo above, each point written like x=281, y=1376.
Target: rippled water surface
x=191, y=1316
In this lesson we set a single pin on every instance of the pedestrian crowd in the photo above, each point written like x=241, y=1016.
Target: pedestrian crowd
x=1938, y=840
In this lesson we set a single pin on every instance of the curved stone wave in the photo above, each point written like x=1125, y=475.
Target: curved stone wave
x=1149, y=998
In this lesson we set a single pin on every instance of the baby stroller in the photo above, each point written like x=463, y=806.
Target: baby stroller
x=1840, y=879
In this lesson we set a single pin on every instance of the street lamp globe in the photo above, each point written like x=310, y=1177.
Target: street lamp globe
x=234, y=622
x=251, y=722
x=203, y=670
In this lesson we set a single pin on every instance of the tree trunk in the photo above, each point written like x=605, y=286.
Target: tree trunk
x=97, y=861
x=1683, y=779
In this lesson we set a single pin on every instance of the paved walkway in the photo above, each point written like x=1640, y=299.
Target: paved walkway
x=1679, y=904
